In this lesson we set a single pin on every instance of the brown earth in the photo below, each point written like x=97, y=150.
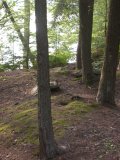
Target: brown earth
x=94, y=137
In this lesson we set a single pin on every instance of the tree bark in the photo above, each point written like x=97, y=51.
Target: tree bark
x=106, y=91
x=79, y=62
x=48, y=147
x=86, y=21
x=78, y=58
x=26, y=48
x=106, y=16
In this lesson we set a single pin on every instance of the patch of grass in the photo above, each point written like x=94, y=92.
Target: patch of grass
x=25, y=124
x=78, y=108
x=4, y=127
x=59, y=127
x=20, y=124
x=64, y=117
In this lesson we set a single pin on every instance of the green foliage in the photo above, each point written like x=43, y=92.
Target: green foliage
x=63, y=29
x=7, y=66
x=59, y=59
x=99, y=20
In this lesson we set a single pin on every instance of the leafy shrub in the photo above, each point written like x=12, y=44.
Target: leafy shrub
x=1, y=68
x=8, y=66
x=59, y=59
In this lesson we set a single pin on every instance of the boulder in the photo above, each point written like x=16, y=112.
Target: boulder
x=54, y=86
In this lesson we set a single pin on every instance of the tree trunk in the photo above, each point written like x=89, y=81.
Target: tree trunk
x=26, y=33
x=106, y=16
x=17, y=29
x=78, y=58
x=48, y=147
x=79, y=63
x=86, y=21
x=106, y=91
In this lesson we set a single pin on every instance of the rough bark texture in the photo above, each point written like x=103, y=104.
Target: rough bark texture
x=48, y=148
x=79, y=63
x=26, y=33
x=78, y=58
x=86, y=21
x=106, y=16
x=106, y=92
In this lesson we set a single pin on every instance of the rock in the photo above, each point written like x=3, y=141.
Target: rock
x=77, y=74
x=34, y=91
x=54, y=86
x=16, y=103
x=76, y=98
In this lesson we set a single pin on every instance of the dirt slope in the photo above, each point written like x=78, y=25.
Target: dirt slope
x=94, y=137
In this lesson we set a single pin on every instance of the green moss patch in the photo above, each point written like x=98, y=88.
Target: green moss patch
x=19, y=124
x=78, y=108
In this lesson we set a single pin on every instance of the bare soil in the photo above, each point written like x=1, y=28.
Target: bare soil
x=94, y=137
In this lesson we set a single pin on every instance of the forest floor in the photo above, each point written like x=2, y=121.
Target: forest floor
x=89, y=131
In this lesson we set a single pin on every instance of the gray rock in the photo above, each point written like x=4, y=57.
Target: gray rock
x=54, y=86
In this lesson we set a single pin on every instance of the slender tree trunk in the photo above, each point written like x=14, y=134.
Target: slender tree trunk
x=78, y=58
x=79, y=63
x=106, y=16
x=17, y=29
x=26, y=33
x=106, y=91
x=48, y=148
x=86, y=19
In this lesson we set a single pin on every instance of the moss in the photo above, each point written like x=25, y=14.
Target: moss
x=59, y=122
x=59, y=127
x=20, y=123
x=78, y=108
x=28, y=104
x=4, y=127
x=25, y=113
x=25, y=124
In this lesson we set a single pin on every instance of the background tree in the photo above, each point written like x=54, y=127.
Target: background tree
x=86, y=19
x=48, y=148
x=24, y=38
x=63, y=37
x=78, y=59
x=106, y=91
x=26, y=33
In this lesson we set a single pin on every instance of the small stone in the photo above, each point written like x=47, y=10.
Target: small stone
x=16, y=103
x=76, y=98
x=54, y=86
